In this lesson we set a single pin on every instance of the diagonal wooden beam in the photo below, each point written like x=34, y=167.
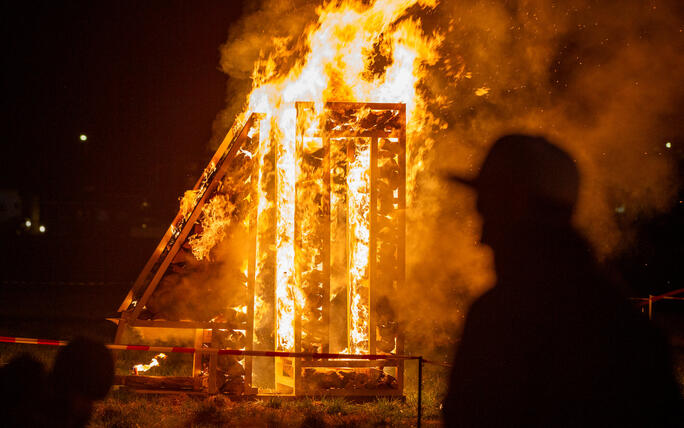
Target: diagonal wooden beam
x=222, y=166
x=159, y=251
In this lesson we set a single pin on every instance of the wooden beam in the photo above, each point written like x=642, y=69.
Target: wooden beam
x=187, y=324
x=345, y=105
x=159, y=250
x=348, y=363
x=194, y=216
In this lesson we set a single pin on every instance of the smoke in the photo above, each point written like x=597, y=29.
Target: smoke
x=599, y=78
x=196, y=290
x=265, y=27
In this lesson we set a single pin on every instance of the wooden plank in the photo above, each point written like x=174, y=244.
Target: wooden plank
x=360, y=134
x=120, y=330
x=216, y=179
x=348, y=363
x=186, y=324
x=156, y=382
x=341, y=392
x=298, y=260
x=212, y=387
x=372, y=243
x=169, y=232
x=401, y=250
x=345, y=105
x=351, y=149
x=284, y=382
x=326, y=201
x=197, y=360
x=251, y=262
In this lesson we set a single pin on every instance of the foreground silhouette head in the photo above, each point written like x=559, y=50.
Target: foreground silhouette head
x=83, y=373
x=525, y=183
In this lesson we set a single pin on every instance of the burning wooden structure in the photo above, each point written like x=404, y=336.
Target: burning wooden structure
x=296, y=250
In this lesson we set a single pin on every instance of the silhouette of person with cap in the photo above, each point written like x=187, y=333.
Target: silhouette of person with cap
x=553, y=343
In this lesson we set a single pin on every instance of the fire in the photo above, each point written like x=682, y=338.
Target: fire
x=356, y=51
x=337, y=67
x=215, y=219
x=359, y=227
x=141, y=368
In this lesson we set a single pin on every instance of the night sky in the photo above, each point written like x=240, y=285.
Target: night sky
x=141, y=81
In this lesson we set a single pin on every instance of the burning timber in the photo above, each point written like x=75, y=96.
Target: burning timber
x=296, y=249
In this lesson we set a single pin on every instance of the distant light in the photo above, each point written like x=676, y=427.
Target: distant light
x=620, y=209
x=27, y=223
x=42, y=229
x=83, y=137
x=144, y=226
x=668, y=145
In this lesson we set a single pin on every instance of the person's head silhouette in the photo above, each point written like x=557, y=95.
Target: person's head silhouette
x=526, y=186
x=82, y=373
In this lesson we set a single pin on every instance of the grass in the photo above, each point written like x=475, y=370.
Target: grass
x=125, y=409
x=42, y=353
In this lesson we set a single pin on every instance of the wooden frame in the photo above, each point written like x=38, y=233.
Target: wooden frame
x=289, y=370
x=339, y=121
x=168, y=248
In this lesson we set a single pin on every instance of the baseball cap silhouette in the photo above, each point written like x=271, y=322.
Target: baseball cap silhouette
x=527, y=166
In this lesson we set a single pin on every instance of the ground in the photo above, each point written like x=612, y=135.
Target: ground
x=125, y=409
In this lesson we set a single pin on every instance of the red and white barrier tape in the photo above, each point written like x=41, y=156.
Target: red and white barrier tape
x=239, y=352
x=663, y=296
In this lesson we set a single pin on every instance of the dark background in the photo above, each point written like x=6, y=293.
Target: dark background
x=141, y=81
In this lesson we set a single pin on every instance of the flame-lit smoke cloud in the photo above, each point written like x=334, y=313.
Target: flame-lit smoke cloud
x=599, y=78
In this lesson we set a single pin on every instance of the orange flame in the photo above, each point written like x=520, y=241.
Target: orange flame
x=141, y=368
x=338, y=65
x=337, y=68
x=217, y=216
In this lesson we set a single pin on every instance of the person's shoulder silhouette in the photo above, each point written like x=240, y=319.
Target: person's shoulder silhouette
x=22, y=389
x=553, y=343
x=83, y=373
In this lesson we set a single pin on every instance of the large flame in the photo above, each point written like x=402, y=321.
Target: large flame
x=338, y=67
x=356, y=51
